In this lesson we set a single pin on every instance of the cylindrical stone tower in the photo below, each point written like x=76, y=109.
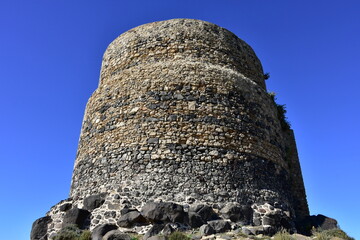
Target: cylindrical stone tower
x=182, y=114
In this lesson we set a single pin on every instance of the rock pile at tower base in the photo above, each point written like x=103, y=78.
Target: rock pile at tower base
x=163, y=218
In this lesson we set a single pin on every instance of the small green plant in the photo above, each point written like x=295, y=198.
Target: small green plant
x=281, y=112
x=266, y=76
x=72, y=232
x=85, y=235
x=178, y=236
x=283, y=235
x=331, y=233
x=135, y=237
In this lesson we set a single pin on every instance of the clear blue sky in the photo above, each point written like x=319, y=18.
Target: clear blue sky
x=50, y=53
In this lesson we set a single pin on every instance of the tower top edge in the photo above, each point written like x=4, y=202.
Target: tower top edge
x=181, y=38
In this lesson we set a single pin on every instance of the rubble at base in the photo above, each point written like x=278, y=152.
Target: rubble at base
x=201, y=221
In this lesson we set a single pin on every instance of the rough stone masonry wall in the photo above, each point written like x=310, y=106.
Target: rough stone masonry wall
x=182, y=114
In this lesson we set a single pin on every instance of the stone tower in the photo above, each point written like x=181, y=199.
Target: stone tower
x=182, y=114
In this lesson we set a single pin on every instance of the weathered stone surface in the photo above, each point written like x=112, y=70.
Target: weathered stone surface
x=39, y=228
x=94, y=201
x=116, y=235
x=163, y=212
x=246, y=231
x=126, y=210
x=206, y=230
x=99, y=232
x=220, y=226
x=76, y=216
x=130, y=219
x=195, y=220
x=154, y=230
x=65, y=207
x=204, y=211
x=237, y=213
x=167, y=230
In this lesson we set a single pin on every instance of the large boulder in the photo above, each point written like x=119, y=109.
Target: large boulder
x=76, y=216
x=39, y=228
x=237, y=213
x=204, y=211
x=164, y=212
x=99, y=231
x=130, y=219
x=94, y=201
x=195, y=220
x=220, y=226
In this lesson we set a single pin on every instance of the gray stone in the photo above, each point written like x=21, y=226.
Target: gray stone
x=76, y=216
x=167, y=230
x=206, y=230
x=220, y=226
x=246, y=231
x=126, y=210
x=154, y=230
x=153, y=140
x=256, y=230
x=65, y=207
x=116, y=235
x=204, y=211
x=237, y=213
x=39, y=228
x=94, y=201
x=130, y=219
x=268, y=221
x=99, y=232
x=164, y=212
x=110, y=214
x=195, y=220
